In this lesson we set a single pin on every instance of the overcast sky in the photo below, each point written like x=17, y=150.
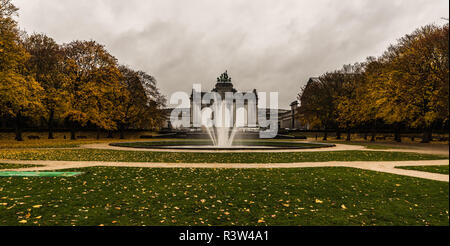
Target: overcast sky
x=270, y=45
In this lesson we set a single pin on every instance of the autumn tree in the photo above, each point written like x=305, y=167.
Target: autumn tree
x=349, y=100
x=79, y=82
x=319, y=100
x=47, y=66
x=141, y=102
x=155, y=100
x=93, y=87
x=408, y=86
x=19, y=92
x=311, y=100
x=415, y=81
x=7, y=9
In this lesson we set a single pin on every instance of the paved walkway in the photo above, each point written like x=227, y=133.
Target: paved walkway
x=419, y=151
x=386, y=167
x=339, y=147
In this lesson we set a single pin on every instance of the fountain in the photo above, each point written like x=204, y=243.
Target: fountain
x=220, y=133
x=221, y=130
x=222, y=122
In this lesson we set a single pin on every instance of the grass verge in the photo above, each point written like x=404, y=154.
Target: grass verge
x=147, y=196
x=47, y=143
x=189, y=157
x=14, y=166
x=430, y=169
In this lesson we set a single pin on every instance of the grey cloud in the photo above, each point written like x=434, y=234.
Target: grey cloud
x=265, y=44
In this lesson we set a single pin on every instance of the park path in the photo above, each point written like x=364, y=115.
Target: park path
x=418, y=151
x=385, y=167
x=379, y=166
x=338, y=147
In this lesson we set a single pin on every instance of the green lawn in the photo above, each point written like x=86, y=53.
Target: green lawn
x=142, y=156
x=46, y=143
x=368, y=145
x=11, y=166
x=146, y=196
x=379, y=146
x=430, y=169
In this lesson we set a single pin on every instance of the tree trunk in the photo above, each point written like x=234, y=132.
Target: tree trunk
x=397, y=136
x=110, y=134
x=121, y=130
x=18, y=129
x=427, y=135
x=365, y=134
x=338, y=134
x=3, y=123
x=72, y=132
x=325, y=135
x=98, y=132
x=374, y=132
x=50, y=125
x=349, y=133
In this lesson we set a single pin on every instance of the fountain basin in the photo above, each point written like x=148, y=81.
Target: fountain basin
x=263, y=145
